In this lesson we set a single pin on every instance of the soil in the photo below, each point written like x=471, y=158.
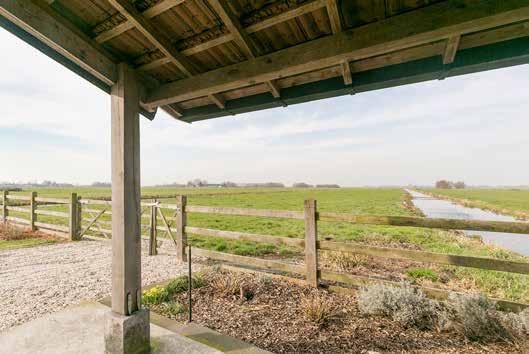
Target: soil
x=271, y=316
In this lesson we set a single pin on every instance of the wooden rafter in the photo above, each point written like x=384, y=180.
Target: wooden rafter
x=334, y=16
x=259, y=26
x=174, y=111
x=218, y=100
x=127, y=9
x=151, y=12
x=44, y=24
x=274, y=88
x=222, y=8
x=430, y=24
x=452, y=45
x=346, y=73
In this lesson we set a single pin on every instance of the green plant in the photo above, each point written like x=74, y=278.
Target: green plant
x=423, y=273
x=155, y=295
x=174, y=308
x=317, y=309
x=180, y=284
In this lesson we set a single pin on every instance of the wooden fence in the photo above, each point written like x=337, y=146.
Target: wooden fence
x=175, y=228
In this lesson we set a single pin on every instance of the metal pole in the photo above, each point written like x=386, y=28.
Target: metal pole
x=190, y=283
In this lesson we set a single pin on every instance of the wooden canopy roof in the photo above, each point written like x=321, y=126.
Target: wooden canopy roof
x=201, y=59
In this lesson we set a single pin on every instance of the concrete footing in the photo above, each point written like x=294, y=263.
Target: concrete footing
x=127, y=334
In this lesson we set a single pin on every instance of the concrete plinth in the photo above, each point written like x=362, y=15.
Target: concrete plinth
x=127, y=334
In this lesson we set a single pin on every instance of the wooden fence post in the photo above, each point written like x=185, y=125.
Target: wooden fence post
x=181, y=237
x=79, y=217
x=4, y=206
x=311, y=235
x=74, y=222
x=32, y=215
x=152, y=231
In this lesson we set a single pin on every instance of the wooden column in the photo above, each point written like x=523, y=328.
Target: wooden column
x=74, y=217
x=181, y=220
x=153, y=250
x=4, y=206
x=32, y=207
x=311, y=235
x=126, y=245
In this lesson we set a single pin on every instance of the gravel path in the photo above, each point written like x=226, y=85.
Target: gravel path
x=38, y=280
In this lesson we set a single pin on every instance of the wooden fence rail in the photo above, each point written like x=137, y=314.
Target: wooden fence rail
x=176, y=228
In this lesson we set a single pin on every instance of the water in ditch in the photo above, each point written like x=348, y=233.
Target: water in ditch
x=438, y=208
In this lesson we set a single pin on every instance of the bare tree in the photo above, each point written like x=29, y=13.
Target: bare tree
x=443, y=184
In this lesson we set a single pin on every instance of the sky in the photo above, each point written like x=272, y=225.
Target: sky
x=55, y=125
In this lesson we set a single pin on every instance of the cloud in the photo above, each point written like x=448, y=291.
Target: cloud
x=55, y=125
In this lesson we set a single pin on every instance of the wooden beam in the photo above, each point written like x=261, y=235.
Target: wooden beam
x=452, y=45
x=334, y=16
x=259, y=26
x=218, y=100
x=274, y=88
x=429, y=24
x=223, y=9
x=126, y=245
x=40, y=21
x=127, y=9
x=151, y=12
x=346, y=73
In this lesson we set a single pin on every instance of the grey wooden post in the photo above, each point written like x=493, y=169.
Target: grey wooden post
x=32, y=207
x=311, y=235
x=79, y=217
x=181, y=220
x=4, y=206
x=74, y=215
x=127, y=326
x=153, y=250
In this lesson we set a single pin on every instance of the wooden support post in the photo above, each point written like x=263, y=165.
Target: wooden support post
x=79, y=217
x=311, y=235
x=181, y=220
x=32, y=207
x=4, y=206
x=126, y=245
x=74, y=228
x=153, y=250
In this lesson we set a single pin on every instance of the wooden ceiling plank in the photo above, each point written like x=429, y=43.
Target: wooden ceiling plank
x=127, y=9
x=334, y=16
x=269, y=22
x=429, y=24
x=43, y=23
x=452, y=46
x=151, y=12
x=218, y=100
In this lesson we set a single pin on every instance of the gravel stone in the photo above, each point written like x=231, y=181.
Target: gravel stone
x=38, y=280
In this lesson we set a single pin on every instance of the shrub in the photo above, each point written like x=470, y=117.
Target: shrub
x=155, y=295
x=404, y=304
x=477, y=319
x=11, y=233
x=317, y=309
x=422, y=273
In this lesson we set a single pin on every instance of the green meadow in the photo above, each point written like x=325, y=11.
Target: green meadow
x=374, y=201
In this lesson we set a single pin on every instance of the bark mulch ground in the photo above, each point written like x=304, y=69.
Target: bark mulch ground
x=270, y=314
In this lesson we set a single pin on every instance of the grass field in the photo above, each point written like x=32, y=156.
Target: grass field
x=513, y=202
x=380, y=201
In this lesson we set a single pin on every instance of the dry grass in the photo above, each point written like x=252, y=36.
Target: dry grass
x=342, y=261
x=9, y=232
x=317, y=309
